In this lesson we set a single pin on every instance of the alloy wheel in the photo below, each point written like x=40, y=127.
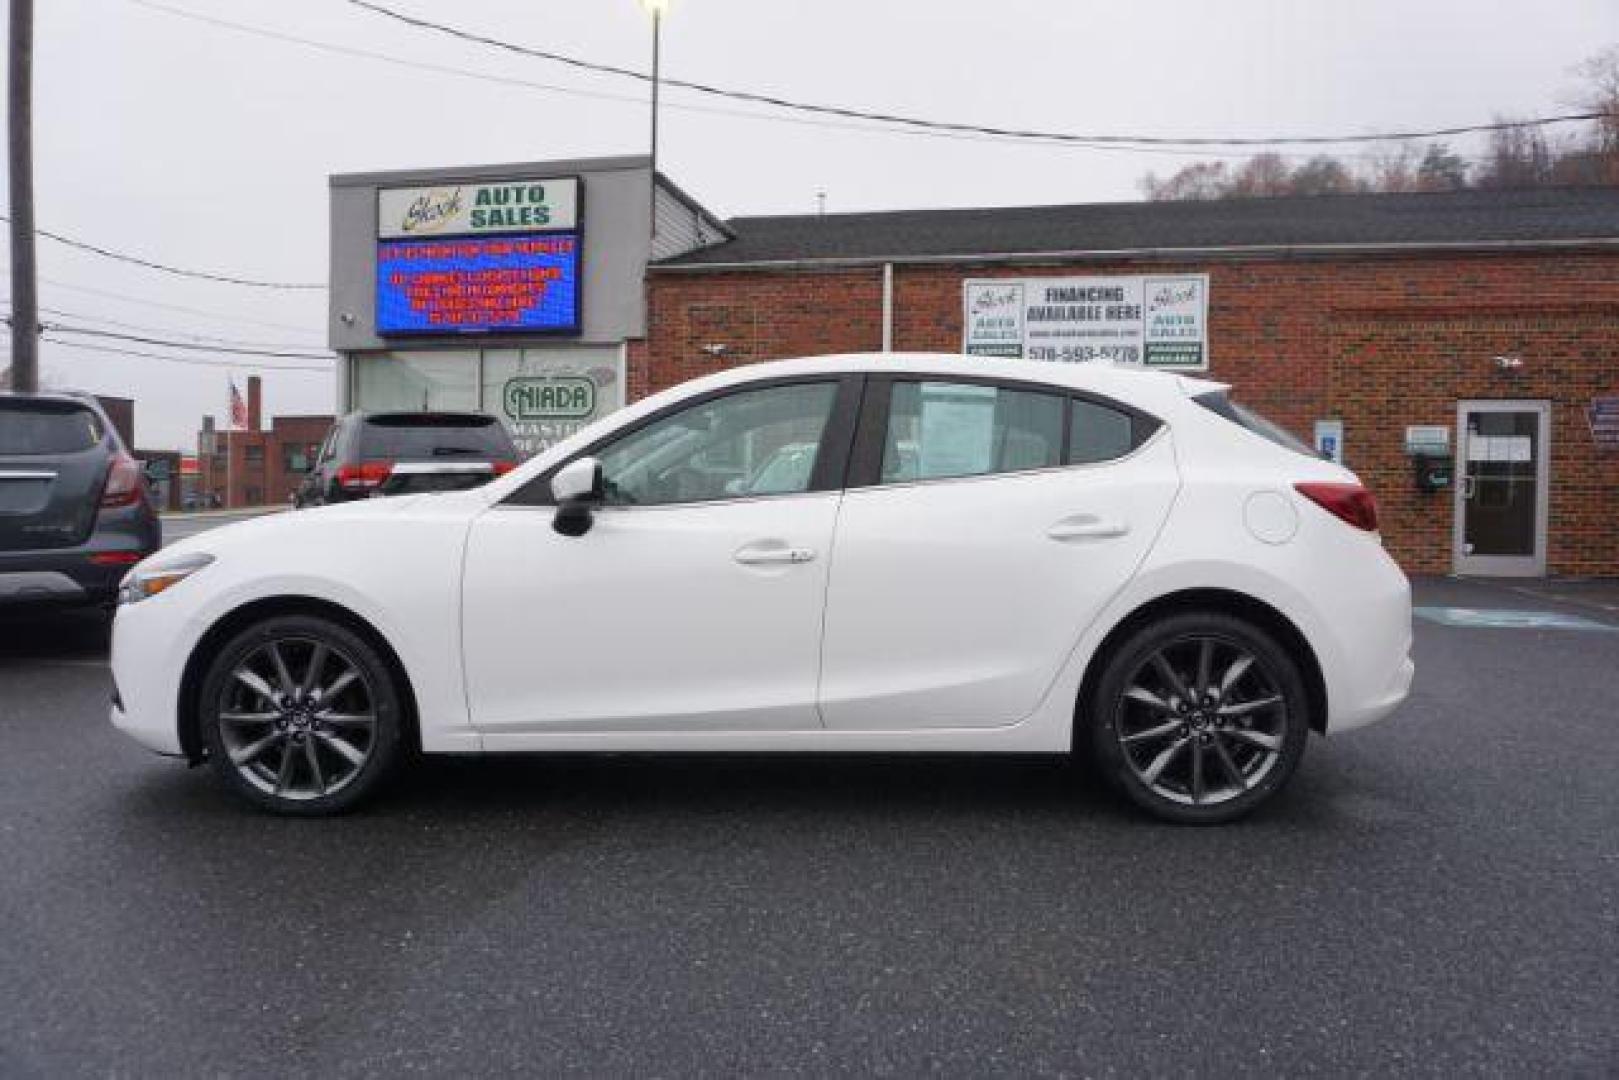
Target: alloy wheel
x=297, y=718
x=1202, y=721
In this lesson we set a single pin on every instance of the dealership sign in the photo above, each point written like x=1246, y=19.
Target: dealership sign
x=550, y=394
x=562, y=397
x=511, y=206
x=479, y=258
x=1156, y=321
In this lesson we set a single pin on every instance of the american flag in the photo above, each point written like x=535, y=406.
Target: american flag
x=238, y=407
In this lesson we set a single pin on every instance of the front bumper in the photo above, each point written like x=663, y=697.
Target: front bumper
x=146, y=639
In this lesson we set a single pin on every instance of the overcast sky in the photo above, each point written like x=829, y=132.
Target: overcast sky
x=206, y=147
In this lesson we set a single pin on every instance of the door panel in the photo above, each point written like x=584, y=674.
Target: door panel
x=681, y=617
x=955, y=603
x=1501, y=491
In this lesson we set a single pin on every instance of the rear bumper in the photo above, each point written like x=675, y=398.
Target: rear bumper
x=1370, y=670
x=72, y=575
x=52, y=578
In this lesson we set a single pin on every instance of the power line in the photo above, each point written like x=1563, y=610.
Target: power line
x=179, y=271
x=167, y=330
x=158, y=304
x=867, y=128
x=189, y=360
x=62, y=328
x=941, y=125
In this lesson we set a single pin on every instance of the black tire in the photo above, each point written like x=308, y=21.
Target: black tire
x=1249, y=744
x=319, y=755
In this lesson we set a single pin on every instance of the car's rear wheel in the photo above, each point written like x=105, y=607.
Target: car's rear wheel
x=1199, y=718
x=301, y=715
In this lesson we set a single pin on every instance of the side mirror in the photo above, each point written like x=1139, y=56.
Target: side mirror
x=577, y=488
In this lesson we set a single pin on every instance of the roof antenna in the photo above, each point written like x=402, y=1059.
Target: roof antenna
x=820, y=203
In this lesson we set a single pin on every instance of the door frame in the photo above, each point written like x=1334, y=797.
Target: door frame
x=1532, y=565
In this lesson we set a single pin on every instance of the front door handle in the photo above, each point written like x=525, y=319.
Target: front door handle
x=1087, y=527
x=766, y=554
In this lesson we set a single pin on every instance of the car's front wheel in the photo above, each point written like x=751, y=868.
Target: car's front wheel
x=301, y=715
x=1199, y=718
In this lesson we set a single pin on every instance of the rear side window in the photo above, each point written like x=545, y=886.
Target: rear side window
x=1220, y=403
x=423, y=435
x=1098, y=433
x=943, y=429
x=47, y=427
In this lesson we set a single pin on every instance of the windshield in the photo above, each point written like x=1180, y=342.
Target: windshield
x=1219, y=402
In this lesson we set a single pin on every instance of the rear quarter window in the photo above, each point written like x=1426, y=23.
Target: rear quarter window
x=1220, y=403
x=47, y=427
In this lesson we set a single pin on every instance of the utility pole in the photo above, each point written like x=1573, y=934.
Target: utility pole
x=24, y=289
x=655, y=8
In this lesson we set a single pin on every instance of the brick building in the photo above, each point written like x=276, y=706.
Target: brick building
x=256, y=466
x=1487, y=319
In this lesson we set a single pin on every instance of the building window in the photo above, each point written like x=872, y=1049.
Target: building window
x=416, y=381
x=253, y=454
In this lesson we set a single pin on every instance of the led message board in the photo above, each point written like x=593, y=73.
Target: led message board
x=478, y=284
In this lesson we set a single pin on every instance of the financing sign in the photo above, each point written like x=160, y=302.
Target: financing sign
x=1156, y=321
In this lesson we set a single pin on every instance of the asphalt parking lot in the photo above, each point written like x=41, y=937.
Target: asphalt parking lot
x=1437, y=894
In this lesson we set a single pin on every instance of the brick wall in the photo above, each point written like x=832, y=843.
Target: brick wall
x=1379, y=342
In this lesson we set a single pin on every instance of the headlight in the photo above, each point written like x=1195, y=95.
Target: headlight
x=143, y=582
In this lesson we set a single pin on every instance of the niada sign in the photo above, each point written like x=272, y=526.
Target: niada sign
x=1156, y=321
x=548, y=395
x=562, y=397
x=507, y=206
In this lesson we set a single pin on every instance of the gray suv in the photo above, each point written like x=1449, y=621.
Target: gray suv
x=75, y=511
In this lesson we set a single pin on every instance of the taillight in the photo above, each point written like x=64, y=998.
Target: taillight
x=365, y=476
x=504, y=467
x=1347, y=502
x=123, y=486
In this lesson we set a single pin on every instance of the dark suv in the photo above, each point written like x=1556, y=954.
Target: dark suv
x=368, y=454
x=75, y=512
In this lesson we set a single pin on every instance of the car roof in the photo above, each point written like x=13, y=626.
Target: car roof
x=73, y=397
x=479, y=418
x=1126, y=382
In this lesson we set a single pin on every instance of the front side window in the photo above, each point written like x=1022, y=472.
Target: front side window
x=746, y=444
x=938, y=430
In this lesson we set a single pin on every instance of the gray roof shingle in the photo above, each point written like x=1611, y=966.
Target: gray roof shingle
x=1432, y=218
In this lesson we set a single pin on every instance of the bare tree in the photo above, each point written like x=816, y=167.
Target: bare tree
x=1323, y=175
x=1396, y=167
x=1601, y=95
x=1201, y=180
x=1518, y=157
x=1261, y=175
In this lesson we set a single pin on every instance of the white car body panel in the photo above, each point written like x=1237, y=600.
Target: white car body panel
x=558, y=668
x=717, y=643
x=954, y=603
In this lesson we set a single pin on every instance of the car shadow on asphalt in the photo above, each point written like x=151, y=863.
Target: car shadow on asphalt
x=81, y=635
x=630, y=787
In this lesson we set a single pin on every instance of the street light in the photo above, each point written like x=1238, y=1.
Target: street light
x=655, y=8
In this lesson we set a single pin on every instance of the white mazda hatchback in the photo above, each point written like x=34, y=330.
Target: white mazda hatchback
x=854, y=553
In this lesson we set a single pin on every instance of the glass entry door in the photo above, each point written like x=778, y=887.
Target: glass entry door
x=1501, y=470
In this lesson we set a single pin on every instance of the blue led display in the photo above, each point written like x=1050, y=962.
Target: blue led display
x=478, y=284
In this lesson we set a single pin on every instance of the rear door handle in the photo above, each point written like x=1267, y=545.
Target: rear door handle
x=1087, y=527
x=765, y=554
